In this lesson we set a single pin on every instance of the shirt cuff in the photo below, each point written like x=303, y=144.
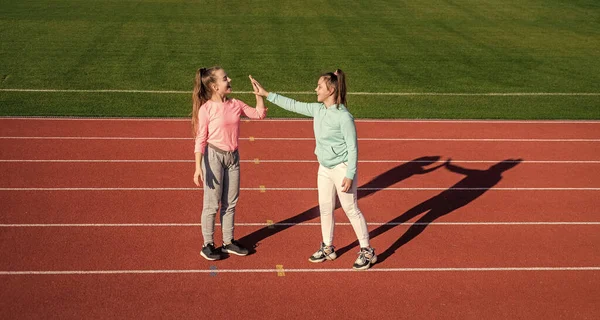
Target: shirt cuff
x=271, y=96
x=200, y=148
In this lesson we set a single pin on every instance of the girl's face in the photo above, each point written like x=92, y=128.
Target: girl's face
x=322, y=91
x=223, y=83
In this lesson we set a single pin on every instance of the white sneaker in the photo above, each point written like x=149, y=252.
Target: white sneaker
x=324, y=253
x=366, y=257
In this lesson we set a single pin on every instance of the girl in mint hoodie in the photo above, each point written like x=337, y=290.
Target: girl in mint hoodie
x=337, y=153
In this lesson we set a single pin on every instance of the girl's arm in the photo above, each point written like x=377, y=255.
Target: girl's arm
x=260, y=112
x=260, y=105
x=202, y=133
x=200, y=144
x=198, y=172
x=303, y=108
x=307, y=109
x=349, y=132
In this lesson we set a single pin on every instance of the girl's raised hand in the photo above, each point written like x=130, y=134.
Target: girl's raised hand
x=258, y=89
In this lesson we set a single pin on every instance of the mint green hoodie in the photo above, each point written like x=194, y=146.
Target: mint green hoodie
x=334, y=128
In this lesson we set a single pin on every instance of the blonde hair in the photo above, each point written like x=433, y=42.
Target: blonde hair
x=202, y=92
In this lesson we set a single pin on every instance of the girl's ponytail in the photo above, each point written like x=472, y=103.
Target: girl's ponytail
x=197, y=100
x=201, y=93
x=341, y=87
x=337, y=81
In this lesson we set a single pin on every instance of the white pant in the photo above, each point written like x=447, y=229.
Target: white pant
x=329, y=182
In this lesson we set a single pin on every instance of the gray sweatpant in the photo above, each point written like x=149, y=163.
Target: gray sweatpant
x=221, y=187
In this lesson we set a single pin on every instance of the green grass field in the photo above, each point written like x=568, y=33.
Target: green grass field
x=471, y=47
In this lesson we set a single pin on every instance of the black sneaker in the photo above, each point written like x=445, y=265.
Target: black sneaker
x=366, y=257
x=324, y=253
x=235, y=248
x=210, y=253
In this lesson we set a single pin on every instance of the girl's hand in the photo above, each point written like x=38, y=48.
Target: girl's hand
x=258, y=89
x=198, y=176
x=346, y=184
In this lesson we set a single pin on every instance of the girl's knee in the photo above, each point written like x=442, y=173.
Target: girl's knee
x=210, y=210
x=326, y=207
x=325, y=211
x=352, y=211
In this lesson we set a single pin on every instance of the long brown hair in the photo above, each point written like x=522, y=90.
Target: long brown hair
x=337, y=81
x=202, y=92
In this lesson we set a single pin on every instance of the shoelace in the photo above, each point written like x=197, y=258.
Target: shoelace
x=362, y=255
x=323, y=253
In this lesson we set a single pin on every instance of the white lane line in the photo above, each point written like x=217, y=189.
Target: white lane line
x=296, y=161
x=302, y=189
x=312, y=92
x=448, y=121
x=304, y=224
x=97, y=138
x=310, y=139
x=301, y=270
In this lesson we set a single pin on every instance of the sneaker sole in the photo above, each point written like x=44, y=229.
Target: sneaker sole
x=207, y=258
x=233, y=252
x=368, y=265
x=330, y=257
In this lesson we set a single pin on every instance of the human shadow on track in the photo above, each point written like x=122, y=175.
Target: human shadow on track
x=473, y=185
x=382, y=181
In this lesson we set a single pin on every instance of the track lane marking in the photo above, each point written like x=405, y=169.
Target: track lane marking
x=257, y=161
x=263, y=189
x=297, y=270
x=252, y=139
x=270, y=224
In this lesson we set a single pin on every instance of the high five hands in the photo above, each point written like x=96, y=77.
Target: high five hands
x=258, y=89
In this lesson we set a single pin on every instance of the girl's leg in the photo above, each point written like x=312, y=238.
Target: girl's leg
x=326, y=189
x=326, y=207
x=231, y=191
x=349, y=202
x=213, y=178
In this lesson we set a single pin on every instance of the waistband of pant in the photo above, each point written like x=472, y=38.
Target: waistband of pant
x=221, y=151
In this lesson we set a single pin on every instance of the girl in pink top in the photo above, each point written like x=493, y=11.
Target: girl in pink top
x=216, y=126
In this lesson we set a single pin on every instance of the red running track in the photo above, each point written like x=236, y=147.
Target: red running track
x=517, y=244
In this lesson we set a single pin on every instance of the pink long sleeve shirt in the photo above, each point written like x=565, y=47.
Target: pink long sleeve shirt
x=219, y=124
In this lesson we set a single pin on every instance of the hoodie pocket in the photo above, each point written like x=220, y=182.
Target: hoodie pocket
x=340, y=150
